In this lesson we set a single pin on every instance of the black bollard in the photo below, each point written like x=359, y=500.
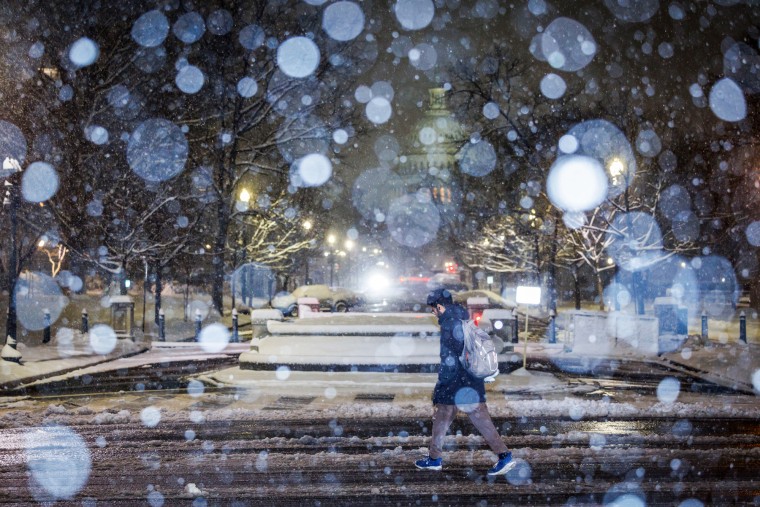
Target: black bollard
x=515, y=338
x=743, y=327
x=46, y=332
x=198, y=319
x=161, y=326
x=552, y=327
x=235, y=335
x=85, y=321
x=704, y=327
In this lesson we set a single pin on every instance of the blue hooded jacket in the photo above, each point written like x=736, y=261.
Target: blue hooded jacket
x=455, y=385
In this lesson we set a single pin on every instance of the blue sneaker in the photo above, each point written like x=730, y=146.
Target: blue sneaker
x=428, y=463
x=503, y=466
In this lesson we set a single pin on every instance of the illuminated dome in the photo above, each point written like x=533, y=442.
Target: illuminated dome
x=435, y=140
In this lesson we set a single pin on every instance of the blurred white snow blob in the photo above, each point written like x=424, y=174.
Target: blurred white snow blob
x=39, y=182
x=150, y=29
x=363, y=94
x=521, y=475
x=466, y=399
x=150, y=416
x=568, y=144
x=576, y=412
x=36, y=50
x=83, y=52
x=491, y=110
x=96, y=134
x=597, y=441
x=298, y=57
x=155, y=499
x=58, y=459
x=553, y=86
x=632, y=11
x=414, y=14
x=378, y=110
x=102, y=339
x=402, y=346
x=756, y=380
x=220, y=22
x=413, y=221
x=282, y=373
x=247, y=87
x=314, y=170
x=727, y=101
x=189, y=27
x=577, y=183
x=648, y=143
x=423, y=56
x=668, y=390
x=343, y=21
x=214, y=338
x=190, y=79
x=251, y=37
x=340, y=136
x=427, y=135
x=195, y=388
x=753, y=233
x=330, y=393
x=157, y=150
x=477, y=159
x=626, y=500
x=198, y=307
x=567, y=45
x=36, y=292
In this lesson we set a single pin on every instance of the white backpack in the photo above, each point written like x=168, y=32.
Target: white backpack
x=478, y=354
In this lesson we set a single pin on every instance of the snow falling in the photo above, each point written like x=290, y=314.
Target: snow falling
x=170, y=168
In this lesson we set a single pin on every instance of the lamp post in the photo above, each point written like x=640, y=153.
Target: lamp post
x=245, y=198
x=349, y=248
x=307, y=225
x=621, y=174
x=331, y=242
x=145, y=288
x=9, y=352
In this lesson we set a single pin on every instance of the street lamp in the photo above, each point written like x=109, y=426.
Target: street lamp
x=245, y=198
x=9, y=352
x=307, y=225
x=620, y=173
x=331, y=242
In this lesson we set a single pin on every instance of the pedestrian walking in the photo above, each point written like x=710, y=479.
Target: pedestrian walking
x=457, y=390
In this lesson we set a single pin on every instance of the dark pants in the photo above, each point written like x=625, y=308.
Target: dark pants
x=443, y=416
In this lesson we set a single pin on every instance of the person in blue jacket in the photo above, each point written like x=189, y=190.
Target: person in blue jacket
x=456, y=389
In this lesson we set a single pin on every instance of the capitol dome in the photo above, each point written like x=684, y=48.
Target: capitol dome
x=435, y=140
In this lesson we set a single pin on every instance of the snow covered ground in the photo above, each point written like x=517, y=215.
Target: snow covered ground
x=526, y=392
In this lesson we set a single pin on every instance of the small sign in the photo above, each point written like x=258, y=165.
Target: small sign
x=528, y=295
x=489, y=280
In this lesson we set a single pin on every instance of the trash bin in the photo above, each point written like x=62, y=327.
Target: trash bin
x=122, y=316
x=672, y=318
x=475, y=307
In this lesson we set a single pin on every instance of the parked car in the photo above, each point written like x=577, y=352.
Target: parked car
x=331, y=299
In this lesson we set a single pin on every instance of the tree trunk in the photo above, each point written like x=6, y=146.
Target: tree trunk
x=577, y=288
x=220, y=241
x=600, y=290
